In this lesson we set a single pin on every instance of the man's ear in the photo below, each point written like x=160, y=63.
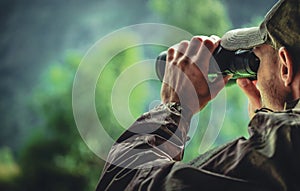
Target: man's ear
x=286, y=67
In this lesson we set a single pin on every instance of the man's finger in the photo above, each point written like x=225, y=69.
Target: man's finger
x=182, y=47
x=251, y=91
x=205, y=54
x=193, y=47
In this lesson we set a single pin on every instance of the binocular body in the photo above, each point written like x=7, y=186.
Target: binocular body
x=240, y=64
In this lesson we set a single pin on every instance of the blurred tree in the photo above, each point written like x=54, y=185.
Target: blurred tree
x=117, y=66
x=205, y=17
x=56, y=158
x=9, y=169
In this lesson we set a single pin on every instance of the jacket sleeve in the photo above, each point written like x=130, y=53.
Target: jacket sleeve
x=147, y=157
x=144, y=154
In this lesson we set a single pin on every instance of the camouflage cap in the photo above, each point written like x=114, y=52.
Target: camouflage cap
x=281, y=27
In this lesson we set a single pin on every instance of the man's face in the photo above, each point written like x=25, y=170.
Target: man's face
x=268, y=78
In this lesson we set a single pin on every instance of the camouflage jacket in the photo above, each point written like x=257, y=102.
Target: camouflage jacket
x=147, y=156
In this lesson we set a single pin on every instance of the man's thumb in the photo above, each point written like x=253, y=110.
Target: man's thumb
x=251, y=91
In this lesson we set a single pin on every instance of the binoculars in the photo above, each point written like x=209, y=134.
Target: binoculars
x=240, y=64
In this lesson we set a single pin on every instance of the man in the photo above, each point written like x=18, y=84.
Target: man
x=147, y=156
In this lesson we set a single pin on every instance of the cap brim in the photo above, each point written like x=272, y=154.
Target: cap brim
x=245, y=38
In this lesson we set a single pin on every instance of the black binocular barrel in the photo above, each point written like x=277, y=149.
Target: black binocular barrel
x=241, y=64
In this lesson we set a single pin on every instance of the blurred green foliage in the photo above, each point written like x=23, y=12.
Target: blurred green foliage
x=56, y=158
x=9, y=169
x=107, y=79
x=205, y=17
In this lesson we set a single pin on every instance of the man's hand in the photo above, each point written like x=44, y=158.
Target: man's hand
x=186, y=75
x=253, y=94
